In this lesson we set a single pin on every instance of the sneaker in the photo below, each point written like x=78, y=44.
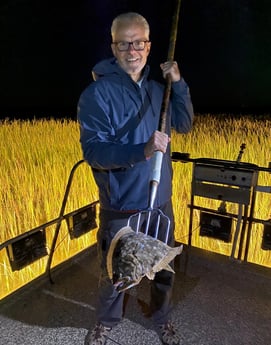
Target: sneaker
x=97, y=336
x=168, y=334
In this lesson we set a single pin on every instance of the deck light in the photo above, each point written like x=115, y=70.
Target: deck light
x=25, y=251
x=82, y=221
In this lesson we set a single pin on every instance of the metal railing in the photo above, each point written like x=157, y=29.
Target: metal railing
x=57, y=221
x=204, y=169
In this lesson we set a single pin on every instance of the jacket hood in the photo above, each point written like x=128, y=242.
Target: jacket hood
x=110, y=66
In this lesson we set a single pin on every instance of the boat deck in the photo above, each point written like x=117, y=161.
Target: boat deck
x=216, y=302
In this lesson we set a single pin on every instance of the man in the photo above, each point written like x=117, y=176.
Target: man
x=119, y=117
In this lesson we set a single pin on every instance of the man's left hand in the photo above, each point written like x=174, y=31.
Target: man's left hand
x=171, y=68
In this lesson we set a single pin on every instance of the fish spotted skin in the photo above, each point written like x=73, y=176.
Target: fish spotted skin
x=135, y=255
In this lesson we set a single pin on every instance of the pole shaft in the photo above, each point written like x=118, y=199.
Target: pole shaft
x=157, y=160
x=170, y=57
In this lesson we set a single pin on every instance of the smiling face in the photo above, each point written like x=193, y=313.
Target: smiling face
x=131, y=61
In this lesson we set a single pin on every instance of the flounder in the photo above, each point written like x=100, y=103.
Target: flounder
x=133, y=255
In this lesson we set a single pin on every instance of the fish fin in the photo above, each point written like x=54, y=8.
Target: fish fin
x=169, y=268
x=163, y=264
x=150, y=275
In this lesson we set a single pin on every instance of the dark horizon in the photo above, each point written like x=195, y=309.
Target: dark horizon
x=48, y=50
x=71, y=114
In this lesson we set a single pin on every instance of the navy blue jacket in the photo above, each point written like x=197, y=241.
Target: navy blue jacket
x=117, y=117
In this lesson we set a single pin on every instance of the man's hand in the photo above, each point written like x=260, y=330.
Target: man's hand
x=171, y=68
x=157, y=142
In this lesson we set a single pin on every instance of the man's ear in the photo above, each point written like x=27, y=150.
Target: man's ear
x=148, y=48
x=113, y=48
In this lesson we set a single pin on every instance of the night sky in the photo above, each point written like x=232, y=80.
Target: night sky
x=48, y=49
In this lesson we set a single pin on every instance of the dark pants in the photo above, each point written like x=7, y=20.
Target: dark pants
x=110, y=302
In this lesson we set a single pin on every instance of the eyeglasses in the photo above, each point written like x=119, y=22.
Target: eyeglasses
x=124, y=46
